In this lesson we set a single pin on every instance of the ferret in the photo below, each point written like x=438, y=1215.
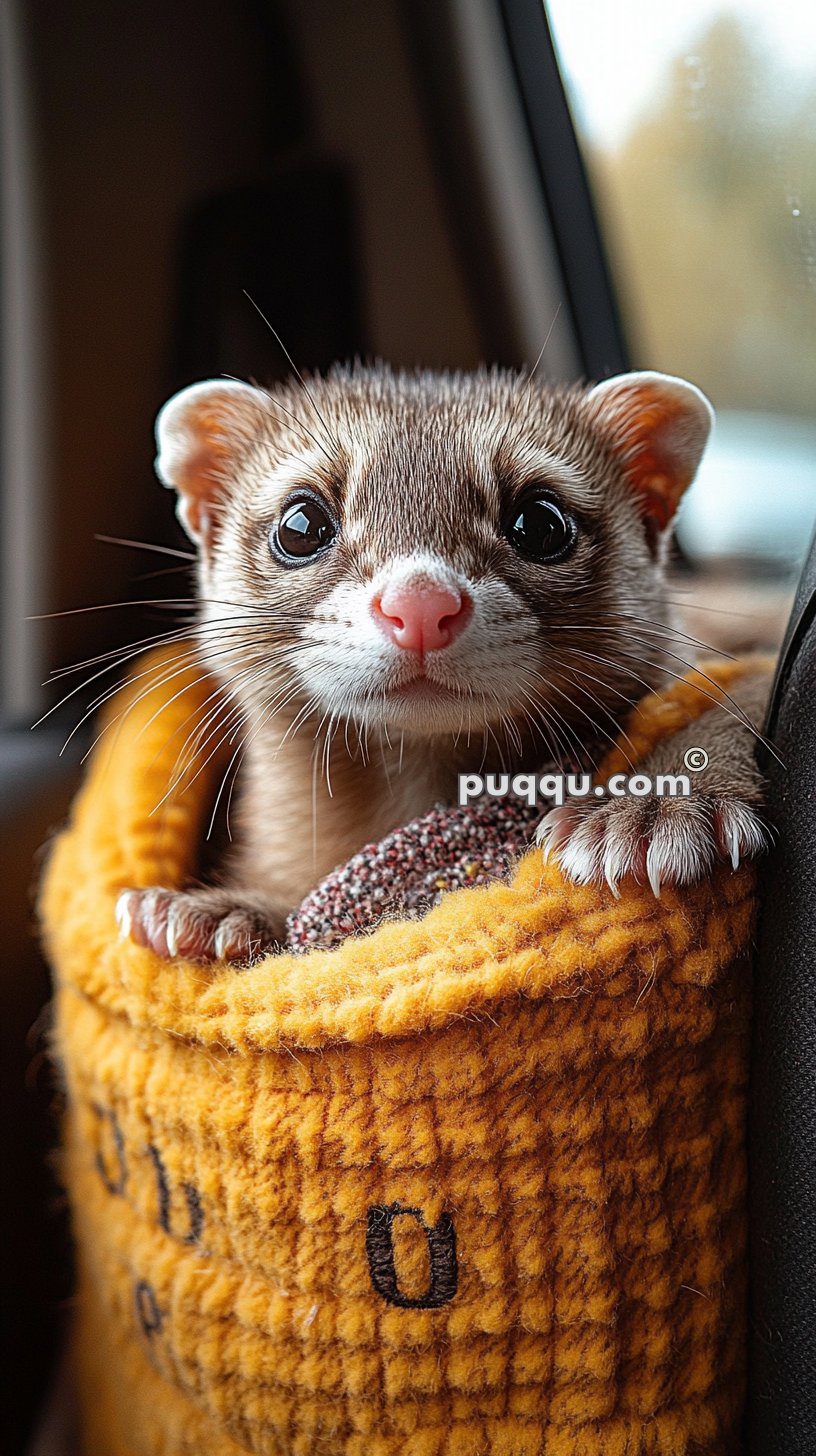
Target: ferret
x=404, y=576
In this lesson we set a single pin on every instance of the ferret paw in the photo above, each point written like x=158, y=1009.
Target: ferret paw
x=662, y=841
x=198, y=925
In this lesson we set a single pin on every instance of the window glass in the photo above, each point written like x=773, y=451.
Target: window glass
x=698, y=125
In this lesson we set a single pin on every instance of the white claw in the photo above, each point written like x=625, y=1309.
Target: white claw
x=171, y=931
x=220, y=942
x=653, y=871
x=609, y=874
x=740, y=833
x=124, y=917
x=556, y=829
x=543, y=834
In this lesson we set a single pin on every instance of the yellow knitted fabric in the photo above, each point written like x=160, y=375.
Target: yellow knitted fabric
x=472, y=1184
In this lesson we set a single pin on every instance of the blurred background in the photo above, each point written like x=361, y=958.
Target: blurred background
x=698, y=126
x=434, y=182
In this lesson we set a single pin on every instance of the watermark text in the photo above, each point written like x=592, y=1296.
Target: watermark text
x=556, y=788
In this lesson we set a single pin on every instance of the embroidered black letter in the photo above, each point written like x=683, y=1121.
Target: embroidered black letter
x=113, y=1185
x=194, y=1209
x=147, y=1310
x=441, y=1252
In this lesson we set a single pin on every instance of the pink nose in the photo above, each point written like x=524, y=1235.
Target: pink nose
x=421, y=617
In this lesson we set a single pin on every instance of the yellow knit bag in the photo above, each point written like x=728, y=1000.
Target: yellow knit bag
x=469, y=1184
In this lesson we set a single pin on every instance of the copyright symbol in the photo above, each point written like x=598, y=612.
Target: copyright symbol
x=695, y=759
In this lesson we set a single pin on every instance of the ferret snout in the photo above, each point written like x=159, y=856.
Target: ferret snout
x=421, y=614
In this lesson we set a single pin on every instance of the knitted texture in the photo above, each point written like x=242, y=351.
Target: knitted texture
x=469, y=1184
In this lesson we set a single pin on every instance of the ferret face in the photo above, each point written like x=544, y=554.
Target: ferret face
x=433, y=554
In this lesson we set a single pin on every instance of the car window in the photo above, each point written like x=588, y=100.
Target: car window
x=698, y=128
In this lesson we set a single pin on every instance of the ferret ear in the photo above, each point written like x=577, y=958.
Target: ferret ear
x=658, y=427
x=199, y=432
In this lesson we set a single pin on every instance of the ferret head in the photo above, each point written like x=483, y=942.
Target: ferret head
x=434, y=554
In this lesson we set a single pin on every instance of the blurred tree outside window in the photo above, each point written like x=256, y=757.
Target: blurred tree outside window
x=698, y=126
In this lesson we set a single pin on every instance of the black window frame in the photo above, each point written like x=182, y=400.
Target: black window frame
x=567, y=195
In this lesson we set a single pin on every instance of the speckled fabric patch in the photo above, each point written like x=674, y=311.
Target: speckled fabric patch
x=408, y=871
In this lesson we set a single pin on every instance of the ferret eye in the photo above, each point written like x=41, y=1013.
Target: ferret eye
x=538, y=528
x=304, y=529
